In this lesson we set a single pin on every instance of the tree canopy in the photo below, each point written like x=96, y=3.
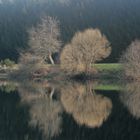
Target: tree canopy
x=85, y=48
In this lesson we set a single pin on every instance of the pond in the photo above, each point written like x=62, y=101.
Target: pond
x=69, y=110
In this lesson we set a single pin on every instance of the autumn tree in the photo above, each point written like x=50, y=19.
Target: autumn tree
x=44, y=39
x=85, y=48
x=131, y=61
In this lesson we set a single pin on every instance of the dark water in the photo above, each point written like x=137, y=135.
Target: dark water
x=69, y=111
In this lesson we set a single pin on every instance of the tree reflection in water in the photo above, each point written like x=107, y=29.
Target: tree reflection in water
x=87, y=107
x=78, y=99
x=131, y=98
x=44, y=111
x=37, y=112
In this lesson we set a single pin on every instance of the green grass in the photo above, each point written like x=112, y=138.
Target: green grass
x=108, y=70
x=108, y=66
x=108, y=87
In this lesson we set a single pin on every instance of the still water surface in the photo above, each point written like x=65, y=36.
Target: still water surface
x=69, y=111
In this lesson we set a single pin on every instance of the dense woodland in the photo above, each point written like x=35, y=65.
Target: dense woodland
x=118, y=20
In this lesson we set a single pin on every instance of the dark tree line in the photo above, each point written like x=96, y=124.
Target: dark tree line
x=118, y=20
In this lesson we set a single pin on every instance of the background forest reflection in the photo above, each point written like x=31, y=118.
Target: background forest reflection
x=68, y=110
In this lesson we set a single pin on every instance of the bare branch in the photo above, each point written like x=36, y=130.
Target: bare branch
x=44, y=40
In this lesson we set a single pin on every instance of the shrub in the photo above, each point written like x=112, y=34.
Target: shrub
x=7, y=62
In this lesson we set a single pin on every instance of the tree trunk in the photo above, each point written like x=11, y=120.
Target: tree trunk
x=51, y=59
x=51, y=94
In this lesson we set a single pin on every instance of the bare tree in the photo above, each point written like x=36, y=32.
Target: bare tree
x=85, y=48
x=44, y=39
x=86, y=107
x=131, y=61
x=28, y=58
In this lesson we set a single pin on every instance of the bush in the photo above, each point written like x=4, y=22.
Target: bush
x=7, y=62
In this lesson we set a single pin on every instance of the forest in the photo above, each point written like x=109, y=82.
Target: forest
x=118, y=20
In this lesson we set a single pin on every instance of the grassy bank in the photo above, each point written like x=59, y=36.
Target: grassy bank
x=108, y=70
x=105, y=70
x=108, y=66
x=108, y=87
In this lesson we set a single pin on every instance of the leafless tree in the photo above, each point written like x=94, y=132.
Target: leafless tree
x=28, y=58
x=44, y=40
x=87, y=107
x=131, y=61
x=85, y=49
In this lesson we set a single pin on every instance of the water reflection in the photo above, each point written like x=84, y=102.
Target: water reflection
x=131, y=98
x=86, y=107
x=46, y=115
x=42, y=110
x=13, y=117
